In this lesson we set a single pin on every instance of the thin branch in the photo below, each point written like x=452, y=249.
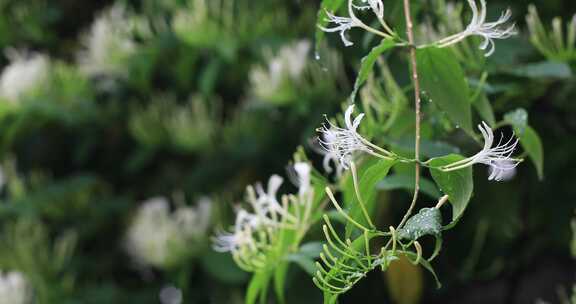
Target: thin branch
x=357, y=190
x=416, y=83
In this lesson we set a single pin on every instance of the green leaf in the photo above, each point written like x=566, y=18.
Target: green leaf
x=402, y=181
x=443, y=79
x=458, y=185
x=528, y=137
x=304, y=261
x=311, y=249
x=367, y=64
x=304, y=258
x=518, y=119
x=369, y=174
x=484, y=109
x=541, y=70
x=428, y=221
x=532, y=144
x=321, y=21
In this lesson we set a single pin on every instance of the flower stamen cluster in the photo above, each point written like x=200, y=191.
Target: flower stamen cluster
x=342, y=143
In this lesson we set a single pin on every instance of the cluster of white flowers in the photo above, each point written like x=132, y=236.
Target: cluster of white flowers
x=287, y=65
x=25, y=72
x=498, y=158
x=162, y=238
x=255, y=232
x=479, y=27
x=107, y=42
x=14, y=288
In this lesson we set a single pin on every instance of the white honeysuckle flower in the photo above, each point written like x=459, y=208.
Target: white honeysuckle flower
x=265, y=203
x=245, y=218
x=14, y=288
x=502, y=170
x=269, y=196
x=25, y=72
x=234, y=241
x=267, y=214
x=497, y=157
x=107, y=43
x=330, y=161
x=487, y=30
x=344, y=24
x=163, y=238
x=341, y=143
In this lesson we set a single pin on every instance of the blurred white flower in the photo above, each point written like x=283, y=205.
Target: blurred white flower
x=170, y=295
x=107, y=43
x=497, y=157
x=162, y=238
x=24, y=73
x=302, y=178
x=342, y=143
x=287, y=66
x=487, y=30
x=14, y=288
